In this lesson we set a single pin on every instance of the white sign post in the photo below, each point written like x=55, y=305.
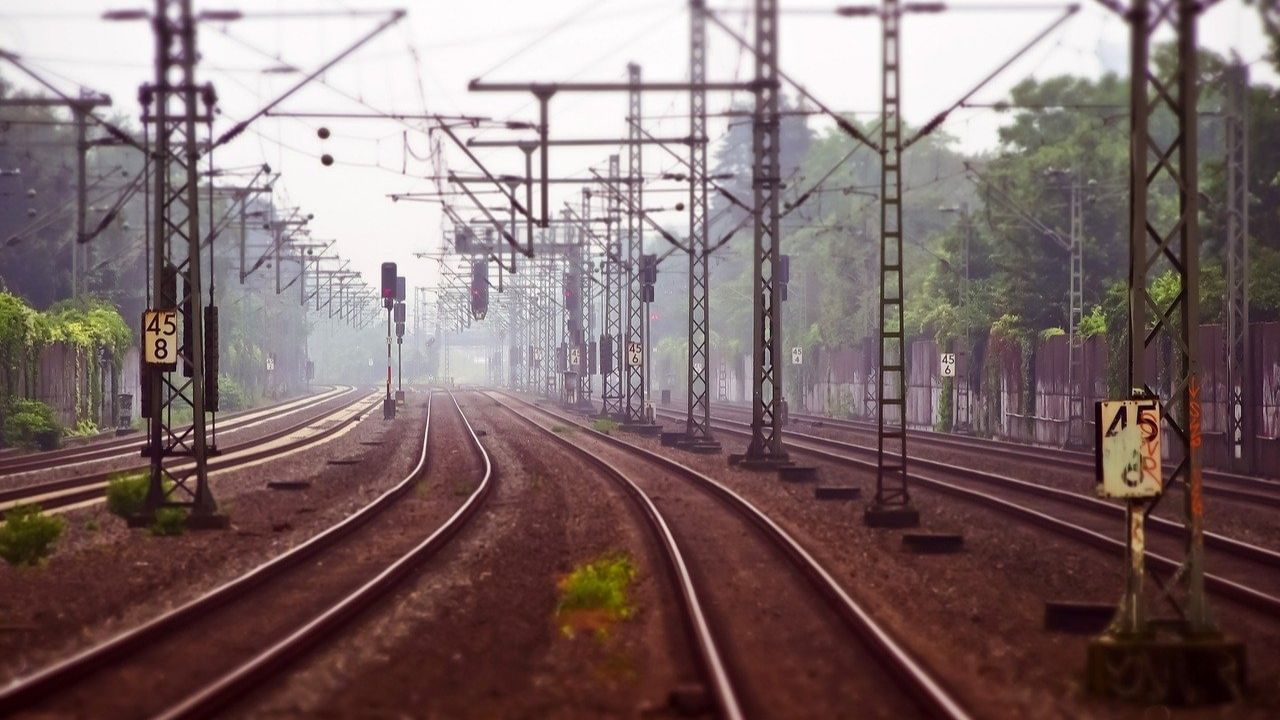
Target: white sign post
x=948, y=365
x=635, y=354
x=1128, y=447
x=797, y=356
x=160, y=337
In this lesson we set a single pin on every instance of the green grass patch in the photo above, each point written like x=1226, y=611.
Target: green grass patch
x=561, y=429
x=126, y=492
x=605, y=425
x=28, y=535
x=169, y=522
x=594, y=595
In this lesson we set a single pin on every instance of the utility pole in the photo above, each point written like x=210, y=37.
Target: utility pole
x=1240, y=410
x=892, y=504
x=634, y=352
x=765, y=448
x=1135, y=658
x=611, y=341
x=1075, y=313
x=172, y=113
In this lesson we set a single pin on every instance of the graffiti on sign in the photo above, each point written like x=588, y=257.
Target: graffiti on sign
x=1128, y=448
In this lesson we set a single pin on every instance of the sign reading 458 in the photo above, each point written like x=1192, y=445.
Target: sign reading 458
x=160, y=337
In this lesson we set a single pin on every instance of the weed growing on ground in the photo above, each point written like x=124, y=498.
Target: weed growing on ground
x=28, y=535
x=605, y=425
x=462, y=490
x=126, y=492
x=169, y=522
x=92, y=525
x=594, y=595
x=561, y=429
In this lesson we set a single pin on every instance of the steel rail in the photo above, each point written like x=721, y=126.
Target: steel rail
x=69, y=491
x=269, y=663
x=710, y=657
x=915, y=679
x=109, y=447
x=23, y=692
x=1249, y=489
x=1239, y=592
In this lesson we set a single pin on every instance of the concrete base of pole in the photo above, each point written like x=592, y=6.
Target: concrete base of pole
x=1169, y=668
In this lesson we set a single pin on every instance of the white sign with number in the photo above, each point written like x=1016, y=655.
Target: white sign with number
x=160, y=337
x=575, y=358
x=635, y=354
x=271, y=364
x=1128, y=447
x=948, y=365
x=797, y=356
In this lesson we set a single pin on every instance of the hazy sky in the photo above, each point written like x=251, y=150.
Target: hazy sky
x=426, y=60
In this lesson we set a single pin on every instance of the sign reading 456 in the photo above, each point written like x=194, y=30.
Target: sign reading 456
x=160, y=338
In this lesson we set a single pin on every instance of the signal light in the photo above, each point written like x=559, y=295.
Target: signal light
x=398, y=312
x=479, y=289
x=784, y=275
x=211, y=358
x=388, y=283
x=400, y=294
x=648, y=276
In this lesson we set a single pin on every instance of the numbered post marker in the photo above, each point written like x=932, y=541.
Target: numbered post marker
x=797, y=356
x=948, y=365
x=160, y=337
x=575, y=358
x=1128, y=448
x=635, y=354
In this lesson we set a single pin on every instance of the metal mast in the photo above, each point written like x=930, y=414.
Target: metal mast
x=172, y=110
x=1240, y=421
x=1075, y=343
x=636, y=310
x=766, y=406
x=1132, y=659
x=698, y=420
x=892, y=504
x=611, y=368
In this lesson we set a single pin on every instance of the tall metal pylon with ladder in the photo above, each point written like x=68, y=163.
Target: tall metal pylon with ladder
x=1240, y=420
x=892, y=502
x=1075, y=310
x=175, y=111
x=611, y=392
x=634, y=385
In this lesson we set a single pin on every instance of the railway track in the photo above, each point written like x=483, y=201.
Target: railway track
x=249, y=630
x=1217, y=483
x=801, y=599
x=70, y=492
x=1243, y=572
x=129, y=444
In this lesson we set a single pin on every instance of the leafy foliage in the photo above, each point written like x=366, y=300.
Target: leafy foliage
x=595, y=594
x=28, y=535
x=126, y=492
x=30, y=423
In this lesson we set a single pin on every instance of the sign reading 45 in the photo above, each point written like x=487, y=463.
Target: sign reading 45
x=160, y=337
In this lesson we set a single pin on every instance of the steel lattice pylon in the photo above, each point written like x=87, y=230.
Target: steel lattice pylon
x=585, y=325
x=1075, y=312
x=698, y=421
x=766, y=406
x=1240, y=420
x=611, y=382
x=173, y=116
x=634, y=383
x=891, y=383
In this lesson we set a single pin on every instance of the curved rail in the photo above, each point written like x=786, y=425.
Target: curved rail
x=70, y=491
x=1237, y=591
x=915, y=679
x=23, y=692
x=710, y=657
x=128, y=445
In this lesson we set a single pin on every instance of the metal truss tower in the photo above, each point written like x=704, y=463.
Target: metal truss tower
x=636, y=308
x=765, y=447
x=698, y=420
x=585, y=299
x=892, y=503
x=1240, y=420
x=611, y=371
x=1134, y=658
x=175, y=109
x=1075, y=311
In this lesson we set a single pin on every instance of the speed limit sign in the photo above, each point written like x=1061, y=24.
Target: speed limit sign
x=160, y=337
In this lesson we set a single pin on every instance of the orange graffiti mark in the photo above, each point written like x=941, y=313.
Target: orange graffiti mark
x=1194, y=410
